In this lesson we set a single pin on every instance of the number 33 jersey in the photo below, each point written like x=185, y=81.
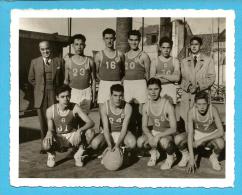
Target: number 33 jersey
x=115, y=119
x=160, y=120
x=110, y=68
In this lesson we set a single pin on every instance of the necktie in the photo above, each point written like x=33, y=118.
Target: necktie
x=195, y=60
x=47, y=62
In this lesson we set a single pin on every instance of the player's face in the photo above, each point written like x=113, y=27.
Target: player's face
x=44, y=48
x=202, y=106
x=154, y=91
x=78, y=46
x=195, y=47
x=165, y=49
x=116, y=98
x=64, y=98
x=134, y=42
x=109, y=40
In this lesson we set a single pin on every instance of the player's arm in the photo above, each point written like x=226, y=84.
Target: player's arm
x=51, y=130
x=172, y=121
x=219, y=125
x=67, y=70
x=31, y=76
x=97, y=61
x=105, y=122
x=93, y=79
x=145, y=120
x=175, y=77
x=128, y=112
x=88, y=121
x=147, y=62
x=192, y=164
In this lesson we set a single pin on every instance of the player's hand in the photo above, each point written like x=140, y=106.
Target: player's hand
x=49, y=138
x=191, y=166
x=77, y=138
x=192, y=89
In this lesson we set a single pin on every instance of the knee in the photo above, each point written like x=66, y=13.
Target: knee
x=180, y=141
x=164, y=142
x=219, y=145
x=130, y=142
x=140, y=142
x=97, y=142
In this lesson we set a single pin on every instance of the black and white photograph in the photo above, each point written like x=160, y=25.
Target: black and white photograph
x=124, y=96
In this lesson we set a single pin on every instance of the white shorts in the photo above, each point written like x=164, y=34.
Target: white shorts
x=169, y=90
x=199, y=135
x=78, y=95
x=115, y=136
x=104, y=90
x=65, y=140
x=135, y=90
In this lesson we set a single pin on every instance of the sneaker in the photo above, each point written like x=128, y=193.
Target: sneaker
x=79, y=157
x=51, y=160
x=185, y=158
x=155, y=155
x=214, y=161
x=168, y=163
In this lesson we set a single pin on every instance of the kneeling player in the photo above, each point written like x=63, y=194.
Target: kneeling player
x=63, y=127
x=162, y=114
x=204, y=130
x=115, y=115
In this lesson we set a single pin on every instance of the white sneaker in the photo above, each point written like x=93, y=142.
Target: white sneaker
x=185, y=158
x=168, y=163
x=51, y=160
x=154, y=156
x=79, y=157
x=214, y=161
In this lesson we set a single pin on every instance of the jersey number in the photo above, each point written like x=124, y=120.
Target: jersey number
x=111, y=65
x=119, y=120
x=81, y=72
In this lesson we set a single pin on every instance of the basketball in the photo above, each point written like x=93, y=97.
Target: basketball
x=113, y=160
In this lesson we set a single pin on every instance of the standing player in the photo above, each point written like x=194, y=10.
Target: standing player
x=109, y=65
x=80, y=74
x=204, y=130
x=137, y=70
x=46, y=73
x=167, y=69
x=162, y=114
x=63, y=130
x=115, y=115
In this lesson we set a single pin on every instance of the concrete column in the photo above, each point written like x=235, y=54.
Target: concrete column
x=165, y=27
x=123, y=26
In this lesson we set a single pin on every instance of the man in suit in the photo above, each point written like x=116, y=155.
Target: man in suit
x=46, y=73
x=197, y=74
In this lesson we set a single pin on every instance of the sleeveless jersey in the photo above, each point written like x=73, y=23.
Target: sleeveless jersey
x=80, y=74
x=64, y=124
x=160, y=121
x=207, y=124
x=115, y=119
x=134, y=70
x=110, y=68
x=165, y=67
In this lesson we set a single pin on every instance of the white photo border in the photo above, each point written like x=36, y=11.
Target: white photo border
x=16, y=14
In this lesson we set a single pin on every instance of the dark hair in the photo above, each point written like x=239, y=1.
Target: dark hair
x=109, y=31
x=201, y=95
x=166, y=40
x=153, y=80
x=197, y=39
x=77, y=36
x=134, y=32
x=116, y=87
x=62, y=88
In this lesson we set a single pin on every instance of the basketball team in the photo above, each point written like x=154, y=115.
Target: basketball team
x=137, y=100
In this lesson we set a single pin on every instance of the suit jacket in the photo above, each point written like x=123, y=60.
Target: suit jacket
x=36, y=77
x=202, y=75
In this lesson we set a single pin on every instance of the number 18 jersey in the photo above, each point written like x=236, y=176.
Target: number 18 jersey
x=110, y=68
